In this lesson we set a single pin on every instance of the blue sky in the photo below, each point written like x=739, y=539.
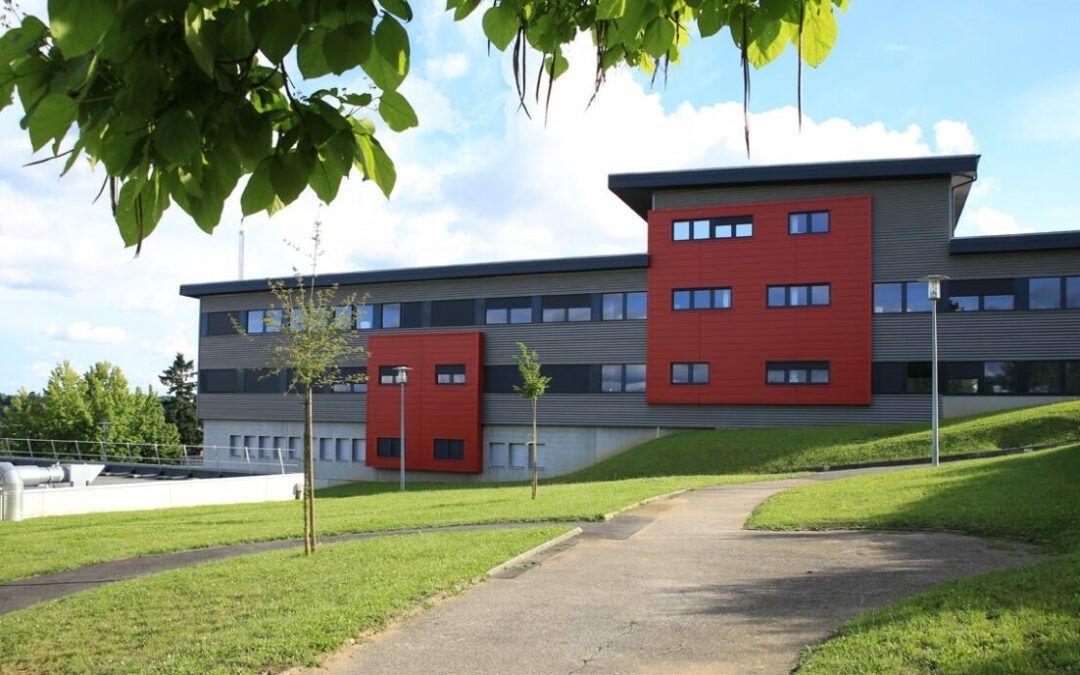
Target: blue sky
x=479, y=181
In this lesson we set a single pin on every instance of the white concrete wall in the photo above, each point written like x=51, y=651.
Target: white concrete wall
x=958, y=406
x=141, y=494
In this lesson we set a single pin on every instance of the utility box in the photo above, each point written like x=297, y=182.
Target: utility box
x=81, y=475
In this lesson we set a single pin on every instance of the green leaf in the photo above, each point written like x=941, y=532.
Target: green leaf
x=819, y=33
x=659, y=35
x=360, y=100
x=388, y=63
x=200, y=35
x=19, y=39
x=501, y=24
x=375, y=164
x=399, y=8
x=254, y=135
x=610, y=9
x=463, y=8
x=396, y=111
x=712, y=17
x=276, y=28
x=325, y=181
x=768, y=38
x=288, y=176
x=139, y=208
x=177, y=137
x=50, y=119
x=78, y=25
x=259, y=192
x=347, y=47
x=310, y=57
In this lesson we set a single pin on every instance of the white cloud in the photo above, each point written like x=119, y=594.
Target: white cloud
x=447, y=66
x=954, y=138
x=84, y=331
x=985, y=220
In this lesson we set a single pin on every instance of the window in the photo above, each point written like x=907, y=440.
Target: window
x=998, y=303
x=388, y=447
x=359, y=449
x=236, y=446
x=917, y=296
x=449, y=448
x=388, y=374
x=264, y=321
x=296, y=447
x=344, y=449
x=561, y=308
x=798, y=296
x=701, y=298
x=1044, y=293
x=391, y=315
x=798, y=372
x=351, y=387
x=219, y=323
x=973, y=295
x=619, y=378
x=224, y=381
x=919, y=378
x=508, y=310
x=519, y=456
x=326, y=449
x=450, y=374
x=964, y=303
x=1072, y=292
x=689, y=373
x=810, y=222
x=620, y=306
x=498, y=455
x=1044, y=377
x=713, y=228
x=888, y=298
x=998, y=377
x=365, y=317
x=453, y=313
x=1072, y=377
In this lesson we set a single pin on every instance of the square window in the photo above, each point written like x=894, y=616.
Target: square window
x=496, y=316
x=521, y=315
x=798, y=223
x=819, y=222
x=579, y=314
x=744, y=230
x=449, y=448
x=998, y=377
x=680, y=230
x=1044, y=377
x=391, y=315
x=723, y=231
x=887, y=298
x=554, y=315
x=819, y=376
x=819, y=295
x=519, y=455
x=1072, y=292
x=634, y=378
x=1044, y=293
x=365, y=317
x=636, y=305
x=680, y=373
x=702, y=229
x=681, y=300
x=722, y=298
x=997, y=303
x=611, y=378
x=919, y=379
x=775, y=376
x=498, y=454
x=612, y=306
x=918, y=296
x=255, y=322
x=702, y=299
x=777, y=296
x=699, y=373
x=798, y=296
x=388, y=447
x=797, y=376
x=450, y=374
x=964, y=303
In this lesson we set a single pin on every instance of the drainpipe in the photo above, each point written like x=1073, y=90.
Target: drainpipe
x=14, y=478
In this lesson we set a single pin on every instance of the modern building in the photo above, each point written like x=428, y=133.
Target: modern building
x=769, y=296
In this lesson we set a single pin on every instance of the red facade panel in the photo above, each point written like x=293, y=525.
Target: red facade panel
x=433, y=411
x=738, y=342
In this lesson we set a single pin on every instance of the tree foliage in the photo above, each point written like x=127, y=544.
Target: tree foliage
x=180, y=100
x=75, y=407
x=180, y=405
x=533, y=386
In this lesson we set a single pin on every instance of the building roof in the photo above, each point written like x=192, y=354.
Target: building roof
x=636, y=189
x=1008, y=243
x=467, y=271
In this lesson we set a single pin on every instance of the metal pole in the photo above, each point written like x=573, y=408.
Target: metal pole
x=934, y=383
x=402, y=462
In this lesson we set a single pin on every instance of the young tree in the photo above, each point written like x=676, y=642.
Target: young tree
x=313, y=342
x=180, y=405
x=533, y=385
x=180, y=100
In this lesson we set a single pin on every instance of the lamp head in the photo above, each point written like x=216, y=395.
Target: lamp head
x=933, y=285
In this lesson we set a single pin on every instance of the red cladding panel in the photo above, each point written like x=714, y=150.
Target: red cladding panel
x=738, y=342
x=432, y=411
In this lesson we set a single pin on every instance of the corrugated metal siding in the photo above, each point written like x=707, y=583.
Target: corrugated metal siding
x=630, y=410
x=979, y=336
x=282, y=408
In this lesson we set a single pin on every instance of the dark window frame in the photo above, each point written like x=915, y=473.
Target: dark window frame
x=808, y=218
x=388, y=446
x=453, y=373
x=691, y=371
x=712, y=228
x=789, y=290
x=789, y=368
x=449, y=449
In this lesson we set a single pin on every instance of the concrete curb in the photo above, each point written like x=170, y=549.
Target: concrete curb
x=517, y=560
x=615, y=514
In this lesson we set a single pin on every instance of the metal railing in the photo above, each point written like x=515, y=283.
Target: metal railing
x=161, y=455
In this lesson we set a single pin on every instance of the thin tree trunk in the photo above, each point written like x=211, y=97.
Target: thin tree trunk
x=534, y=453
x=309, y=476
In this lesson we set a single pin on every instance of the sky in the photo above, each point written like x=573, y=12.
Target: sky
x=479, y=181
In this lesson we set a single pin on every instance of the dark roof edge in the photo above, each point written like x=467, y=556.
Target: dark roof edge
x=1008, y=243
x=465, y=271
x=635, y=189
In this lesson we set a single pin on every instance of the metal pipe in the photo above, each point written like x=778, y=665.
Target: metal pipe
x=14, y=479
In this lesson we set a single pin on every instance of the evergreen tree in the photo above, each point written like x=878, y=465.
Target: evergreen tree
x=180, y=406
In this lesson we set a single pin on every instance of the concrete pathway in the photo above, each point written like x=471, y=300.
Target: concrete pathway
x=674, y=587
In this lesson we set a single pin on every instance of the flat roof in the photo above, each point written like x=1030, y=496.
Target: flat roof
x=1011, y=243
x=636, y=189
x=466, y=271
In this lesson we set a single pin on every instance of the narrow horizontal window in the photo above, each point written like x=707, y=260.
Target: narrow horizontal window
x=701, y=298
x=450, y=374
x=817, y=295
x=449, y=448
x=798, y=372
x=389, y=375
x=689, y=373
x=808, y=222
x=713, y=228
x=622, y=378
x=388, y=447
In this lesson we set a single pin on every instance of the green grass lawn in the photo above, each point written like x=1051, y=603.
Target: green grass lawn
x=1024, y=620
x=253, y=614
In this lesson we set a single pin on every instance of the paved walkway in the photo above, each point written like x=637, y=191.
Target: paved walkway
x=674, y=587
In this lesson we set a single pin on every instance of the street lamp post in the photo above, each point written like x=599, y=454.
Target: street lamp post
x=402, y=380
x=933, y=291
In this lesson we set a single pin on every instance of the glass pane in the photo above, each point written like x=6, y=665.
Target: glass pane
x=819, y=295
x=613, y=306
x=918, y=296
x=519, y=455
x=918, y=378
x=680, y=230
x=997, y=302
x=554, y=315
x=1044, y=293
x=722, y=298
x=777, y=296
x=1072, y=292
x=798, y=295
x=775, y=375
x=797, y=376
x=1072, y=377
x=702, y=229
x=680, y=373
x=391, y=316
x=819, y=376
x=964, y=303
x=681, y=300
x=273, y=320
x=365, y=317
x=819, y=222
x=887, y=298
x=611, y=379
x=579, y=314
x=744, y=230
x=797, y=223
x=702, y=298
x=521, y=315
x=998, y=376
x=723, y=231
x=1044, y=377
x=494, y=316
x=255, y=321
x=635, y=378
x=635, y=305
x=700, y=373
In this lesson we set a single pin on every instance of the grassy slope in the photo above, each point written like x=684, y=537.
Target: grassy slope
x=1025, y=620
x=728, y=451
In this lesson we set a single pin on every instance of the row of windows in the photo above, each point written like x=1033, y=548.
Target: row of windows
x=979, y=377
x=448, y=313
x=513, y=455
x=701, y=298
x=802, y=295
x=980, y=295
x=443, y=448
x=807, y=222
x=776, y=372
x=291, y=448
